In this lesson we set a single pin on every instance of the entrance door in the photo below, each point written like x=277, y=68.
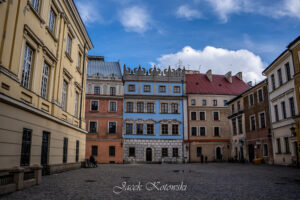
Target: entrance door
x=218, y=153
x=148, y=154
x=44, y=154
x=251, y=152
x=242, y=153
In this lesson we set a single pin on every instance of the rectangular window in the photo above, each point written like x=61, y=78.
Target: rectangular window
x=262, y=120
x=204, y=102
x=234, y=126
x=69, y=44
x=202, y=131
x=175, y=152
x=26, y=147
x=36, y=5
x=232, y=108
x=112, y=151
x=225, y=102
x=215, y=102
x=65, y=150
x=147, y=88
x=164, y=129
x=251, y=99
x=140, y=107
x=164, y=108
x=112, y=91
x=162, y=89
x=129, y=107
x=216, y=131
x=292, y=106
x=194, y=131
x=174, y=108
x=79, y=61
x=287, y=145
x=260, y=95
x=139, y=129
x=176, y=89
x=199, y=151
x=129, y=128
x=64, y=95
x=164, y=152
x=239, y=105
x=283, y=110
x=288, y=72
x=193, y=102
x=112, y=127
x=77, y=151
x=76, y=104
x=252, y=122
x=94, y=150
x=279, y=77
x=94, y=105
x=45, y=77
x=93, y=127
x=175, y=129
x=273, y=82
x=216, y=116
x=193, y=115
x=27, y=65
x=240, y=124
x=131, y=88
x=276, y=113
x=278, y=145
x=150, y=129
x=202, y=116
x=131, y=152
x=96, y=90
x=150, y=107
x=266, y=150
x=112, y=106
x=52, y=20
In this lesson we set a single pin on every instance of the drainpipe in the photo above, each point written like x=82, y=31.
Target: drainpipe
x=82, y=84
x=183, y=161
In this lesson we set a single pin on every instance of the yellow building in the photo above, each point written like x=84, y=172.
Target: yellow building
x=294, y=48
x=43, y=61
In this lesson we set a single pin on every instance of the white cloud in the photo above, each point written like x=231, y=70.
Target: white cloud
x=135, y=19
x=184, y=11
x=225, y=7
x=89, y=12
x=218, y=59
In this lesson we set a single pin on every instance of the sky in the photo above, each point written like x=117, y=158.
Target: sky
x=222, y=35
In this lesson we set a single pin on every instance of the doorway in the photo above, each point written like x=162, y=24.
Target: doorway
x=45, y=152
x=148, y=154
x=251, y=152
x=218, y=153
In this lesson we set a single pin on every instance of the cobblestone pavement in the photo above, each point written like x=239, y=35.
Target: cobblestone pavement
x=204, y=181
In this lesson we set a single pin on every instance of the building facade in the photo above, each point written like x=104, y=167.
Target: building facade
x=153, y=117
x=209, y=131
x=282, y=106
x=104, y=110
x=43, y=49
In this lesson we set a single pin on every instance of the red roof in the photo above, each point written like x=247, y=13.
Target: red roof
x=200, y=84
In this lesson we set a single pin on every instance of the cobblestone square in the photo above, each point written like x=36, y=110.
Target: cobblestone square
x=203, y=181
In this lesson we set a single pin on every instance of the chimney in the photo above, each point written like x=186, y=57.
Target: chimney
x=249, y=83
x=209, y=75
x=239, y=75
x=228, y=77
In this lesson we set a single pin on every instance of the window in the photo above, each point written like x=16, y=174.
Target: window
x=215, y=102
x=252, y=123
x=162, y=89
x=112, y=91
x=129, y=128
x=176, y=89
x=150, y=107
x=292, y=106
x=283, y=110
x=65, y=150
x=175, y=152
x=112, y=106
x=131, y=88
x=225, y=102
x=240, y=124
x=251, y=99
x=193, y=102
x=129, y=107
x=288, y=71
x=131, y=152
x=202, y=131
x=147, y=88
x=174, y=108
x=26, y=147
x=287, y=145
x=193, y=115
x=216, y=116
x=194, y=131
x=175, y=129
x=216, y=131
x=276, y=113
x=45, y=77
x=139, y=129
x=36, y=5
x=239, y=105
x=94, y=105
x=94, y=150
x=266, y=150
x=234, y=126
x=202, y=116
x=262, y=120
x=96, y=90
x=64, y=95
x=260, y=95
x=112, y=127
x=79, y=61
x=27, y=65
x=140, y=107
x=150, y=129
x=278, y=145
x=232, y=108
x=273, y=82
x=164, y=152
x=76, y=104
x=52, y=20
x=112, y=151
x=279, y=76
x=204, y=102
x=77, y=151
x=69, y=44
x=199, y=151
x=93, y=127
x=164, y=129
x=164, y=107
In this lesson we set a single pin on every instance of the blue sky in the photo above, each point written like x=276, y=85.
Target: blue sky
x=222, y=35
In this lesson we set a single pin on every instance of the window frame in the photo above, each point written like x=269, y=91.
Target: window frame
x=115, y=106
x=131, y=88
x=91, y=104
x=64, y=98
x=112, y=151
x=109, y=127
x=45, y=80
x=147, y=88
x=177, y=90
x=89, y=127
x=219, y=131
x=126, y=128
x=162, y=89
x=137, y=130
x=94, y=150
x=219, y=118
x=130, y=152
x=164, y=108
x=27, y=66
x=164, y=129
x=148, y=128
x=200, y=131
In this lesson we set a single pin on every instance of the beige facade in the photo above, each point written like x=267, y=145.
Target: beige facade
x=43, y=63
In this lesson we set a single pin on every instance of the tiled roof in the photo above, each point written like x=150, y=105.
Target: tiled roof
x=98, y=65
x=200, y=84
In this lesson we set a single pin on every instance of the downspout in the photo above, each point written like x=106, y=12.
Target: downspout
x=82, y=84
x=183, y=161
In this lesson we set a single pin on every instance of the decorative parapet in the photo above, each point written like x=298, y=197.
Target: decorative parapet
x=100, y=76
x=154, y=74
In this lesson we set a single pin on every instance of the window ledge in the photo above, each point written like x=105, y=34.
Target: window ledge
x=94, y=111
x=36, y=13
x=52, y=34
x=69, y=57
x=93, y=133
